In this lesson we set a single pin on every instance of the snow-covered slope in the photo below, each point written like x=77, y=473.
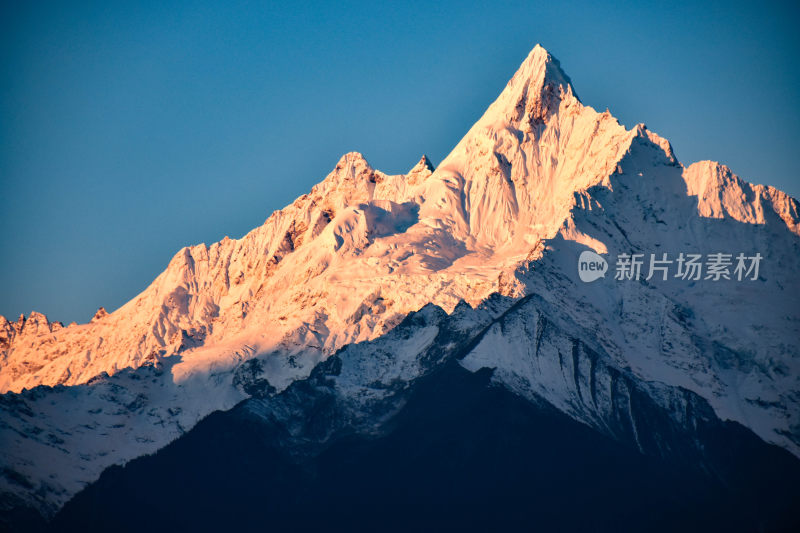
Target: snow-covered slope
x=360, y=240
x=537, y=180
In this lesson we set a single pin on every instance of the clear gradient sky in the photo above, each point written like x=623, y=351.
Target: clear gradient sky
x=127, y=132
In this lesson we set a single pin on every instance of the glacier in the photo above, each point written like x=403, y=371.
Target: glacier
x=487, y=243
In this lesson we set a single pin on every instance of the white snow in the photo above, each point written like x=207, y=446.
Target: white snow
x=538, y=179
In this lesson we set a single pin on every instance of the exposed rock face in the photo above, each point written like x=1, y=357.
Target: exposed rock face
x=537, y=180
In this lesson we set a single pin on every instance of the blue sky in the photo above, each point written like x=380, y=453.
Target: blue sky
x=127, y=132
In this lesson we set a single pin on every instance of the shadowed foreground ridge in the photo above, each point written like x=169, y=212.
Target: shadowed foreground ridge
x=460, y=455
x=423, y=343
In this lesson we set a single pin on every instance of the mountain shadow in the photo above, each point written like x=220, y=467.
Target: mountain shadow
x=462, y=454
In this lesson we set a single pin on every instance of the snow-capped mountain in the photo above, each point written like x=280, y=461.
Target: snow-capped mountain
x=492, y=238
x=395, y=434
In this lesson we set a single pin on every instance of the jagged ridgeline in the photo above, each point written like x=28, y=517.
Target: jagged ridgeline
x=358, y=292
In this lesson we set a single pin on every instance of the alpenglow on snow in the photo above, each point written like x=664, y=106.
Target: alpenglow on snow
x=491, y=236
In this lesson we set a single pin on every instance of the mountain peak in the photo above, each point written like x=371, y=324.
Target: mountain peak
x=351, y=181
x=100, y=314
x=540, y=69
x=426, y=162
x=353, y=165
x=352, y=158
x=423, y=164
x=421, y=170
x=353, y=168
x=539, y=179
x=533, y=93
